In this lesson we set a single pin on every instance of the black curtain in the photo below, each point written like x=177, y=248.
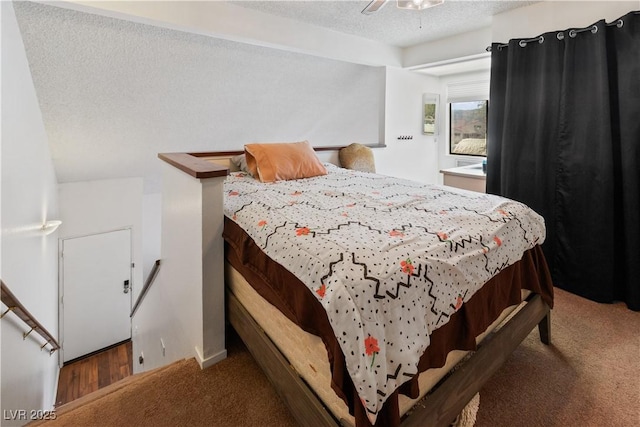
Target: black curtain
x=564, y=138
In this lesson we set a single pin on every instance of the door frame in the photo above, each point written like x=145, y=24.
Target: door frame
x=61, y=282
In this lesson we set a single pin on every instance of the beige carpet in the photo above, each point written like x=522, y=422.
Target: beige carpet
x=590, y=376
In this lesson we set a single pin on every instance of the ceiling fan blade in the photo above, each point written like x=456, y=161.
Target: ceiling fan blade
x=374, y=6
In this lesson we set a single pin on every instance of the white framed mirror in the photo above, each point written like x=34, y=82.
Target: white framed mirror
x=430, y=113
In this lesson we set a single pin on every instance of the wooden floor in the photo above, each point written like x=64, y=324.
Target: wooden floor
x=87, y=375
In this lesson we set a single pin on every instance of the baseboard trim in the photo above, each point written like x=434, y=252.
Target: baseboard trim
x=211, y=360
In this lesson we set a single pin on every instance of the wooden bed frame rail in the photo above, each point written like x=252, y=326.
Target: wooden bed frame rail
x=439, y=408
x=303, y=403
x=444, y=404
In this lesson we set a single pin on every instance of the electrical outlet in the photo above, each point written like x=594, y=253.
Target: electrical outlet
x=164, y=350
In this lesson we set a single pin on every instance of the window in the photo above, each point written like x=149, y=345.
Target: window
x=468, y=128
x=467, y=117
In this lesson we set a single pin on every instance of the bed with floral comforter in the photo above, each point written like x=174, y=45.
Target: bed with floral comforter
x=389, y=260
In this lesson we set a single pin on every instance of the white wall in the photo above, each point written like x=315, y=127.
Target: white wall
x=458, y=46
x=184, y=309
x=93, y=207
x=232, y=22
x=416, y=158
x=547, y=16
x=151, y=229
x=523, y=22
x=29, y=258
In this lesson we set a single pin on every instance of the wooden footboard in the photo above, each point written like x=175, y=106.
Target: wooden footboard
x=439, y=408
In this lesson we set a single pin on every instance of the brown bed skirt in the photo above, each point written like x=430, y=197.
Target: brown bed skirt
x=286, y=292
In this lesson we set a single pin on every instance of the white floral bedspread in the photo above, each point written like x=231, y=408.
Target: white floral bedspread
x=389, y=259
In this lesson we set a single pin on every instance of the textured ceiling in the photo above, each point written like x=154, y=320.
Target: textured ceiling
x=390, y=25
x=114, y=93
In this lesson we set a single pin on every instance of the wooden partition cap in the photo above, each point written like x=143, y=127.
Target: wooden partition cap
x=193, y=165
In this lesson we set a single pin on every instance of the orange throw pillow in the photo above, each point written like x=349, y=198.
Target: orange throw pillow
x=283, y=161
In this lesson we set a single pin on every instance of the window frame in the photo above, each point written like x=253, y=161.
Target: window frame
x=450, y=128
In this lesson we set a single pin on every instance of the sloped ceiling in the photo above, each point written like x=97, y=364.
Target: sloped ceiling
x=114, y=93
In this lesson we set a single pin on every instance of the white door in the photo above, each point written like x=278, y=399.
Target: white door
x=96, y=287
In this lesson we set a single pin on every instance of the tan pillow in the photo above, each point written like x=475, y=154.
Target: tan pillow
x=357, y=157
x=282, y=161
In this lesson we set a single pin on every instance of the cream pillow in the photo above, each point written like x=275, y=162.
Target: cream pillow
x=357, y=157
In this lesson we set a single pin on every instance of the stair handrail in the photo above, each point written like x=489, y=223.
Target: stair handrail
x=146, y=287
x=16, y=307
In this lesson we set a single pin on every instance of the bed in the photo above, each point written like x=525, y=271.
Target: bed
x=257, y=285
